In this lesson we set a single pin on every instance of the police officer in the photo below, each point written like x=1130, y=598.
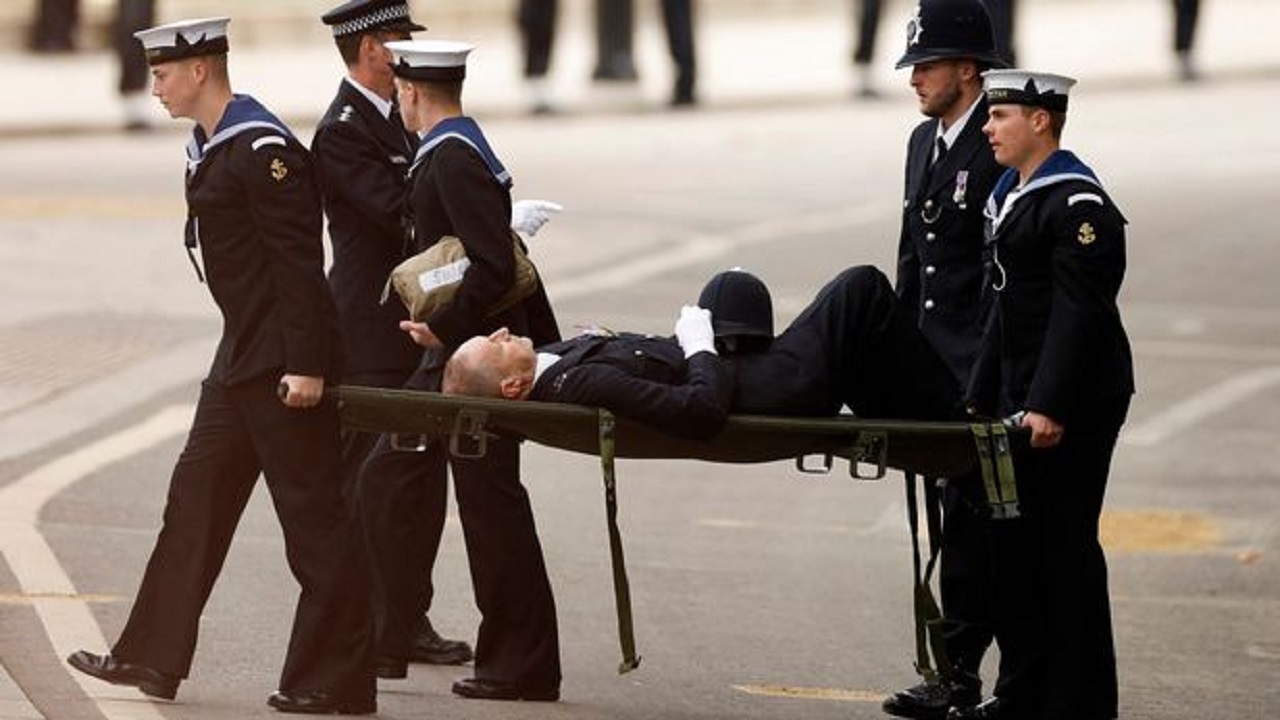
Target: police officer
x=459, y=187
x=950, y=170
x=362, y=155
x=254, y=216
x=1055, y=353
x=677, y=19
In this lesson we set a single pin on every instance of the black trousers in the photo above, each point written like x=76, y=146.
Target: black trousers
x=131, y=16
x=1054, y=609
x=239, y=432
x=55, y=25
x=518, y=640
x=965, y=574
x=854, y=346
x=1185, y=15
x=868, y=22
x=537, y=22
x=677, y=17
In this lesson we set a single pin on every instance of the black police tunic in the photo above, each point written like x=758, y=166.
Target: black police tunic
x=362, y=160
x=940, y=266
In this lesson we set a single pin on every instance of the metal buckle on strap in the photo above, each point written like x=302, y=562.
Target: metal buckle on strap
x=409, y=442
x=827, y=461
x=469, y=422
x=870, y=448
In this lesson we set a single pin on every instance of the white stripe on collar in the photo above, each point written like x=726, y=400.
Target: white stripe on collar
x=196, y=155
x=426, y=148
x=1014, y=195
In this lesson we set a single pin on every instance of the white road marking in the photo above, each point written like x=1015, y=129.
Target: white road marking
x=703, y=248
x=89, y=404
x=66, y=617
x=1195, y=409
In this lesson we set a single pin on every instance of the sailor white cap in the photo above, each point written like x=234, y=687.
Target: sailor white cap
x=430, y=60
x=184, y=39
x=1026, y=87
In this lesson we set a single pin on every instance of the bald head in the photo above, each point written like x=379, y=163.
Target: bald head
x=500, y=365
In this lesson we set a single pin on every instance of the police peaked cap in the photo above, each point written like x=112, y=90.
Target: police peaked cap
x=362, y=16
x=950, y=29
x=740, y=304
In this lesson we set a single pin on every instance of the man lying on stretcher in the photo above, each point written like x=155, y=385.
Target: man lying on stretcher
x=851, y=346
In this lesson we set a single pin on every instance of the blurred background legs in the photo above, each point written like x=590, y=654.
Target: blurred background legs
x=867, y=23
x=131, y=16
x=537, y=21
x=1186, y=13
x=677, y=16
x=54, y=28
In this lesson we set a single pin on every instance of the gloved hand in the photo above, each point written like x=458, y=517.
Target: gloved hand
x=693, y=331
x=528, y=216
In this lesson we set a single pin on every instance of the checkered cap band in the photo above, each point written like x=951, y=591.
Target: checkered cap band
x=376, y=19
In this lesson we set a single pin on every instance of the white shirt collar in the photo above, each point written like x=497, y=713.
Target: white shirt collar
x=952, y=133
x=383, y=106
x=545, y=360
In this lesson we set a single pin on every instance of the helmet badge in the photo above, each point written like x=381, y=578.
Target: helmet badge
x=915, y=27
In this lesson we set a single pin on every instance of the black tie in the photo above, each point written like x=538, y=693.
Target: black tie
x=928, y=171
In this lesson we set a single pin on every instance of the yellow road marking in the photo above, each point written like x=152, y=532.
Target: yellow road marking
x=43, y=207
x=1159, y=531
x=812, y=693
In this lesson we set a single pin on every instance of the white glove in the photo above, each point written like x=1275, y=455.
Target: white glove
x=528, y=216
x=693, y=331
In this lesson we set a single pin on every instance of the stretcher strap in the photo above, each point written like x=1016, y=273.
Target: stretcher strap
x=1004, y=471
x=928, y=616
x=996, y=462
x=621, y=587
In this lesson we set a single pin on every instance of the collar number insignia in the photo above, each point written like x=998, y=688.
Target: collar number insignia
x=1086, y=236
x=279, y=170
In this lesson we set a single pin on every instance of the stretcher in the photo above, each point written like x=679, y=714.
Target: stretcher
x=929, y=450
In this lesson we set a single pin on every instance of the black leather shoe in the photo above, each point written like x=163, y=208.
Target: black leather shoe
x=932, y=700
x=483, y=689
x=118, y=672
x=432, y=649
x=391, y=669
x=994, y=708
x=320, y=703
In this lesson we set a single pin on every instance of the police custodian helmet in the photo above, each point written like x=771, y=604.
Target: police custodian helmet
x=741, y=310
x=943, y=29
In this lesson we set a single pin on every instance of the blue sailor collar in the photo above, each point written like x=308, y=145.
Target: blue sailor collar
x=467, y=130
x=1062, y=166
x=242, y=113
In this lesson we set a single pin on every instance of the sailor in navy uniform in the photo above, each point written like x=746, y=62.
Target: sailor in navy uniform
x=460, y=188
x=1054, y=352
x=950, y=170
x=254, y=219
